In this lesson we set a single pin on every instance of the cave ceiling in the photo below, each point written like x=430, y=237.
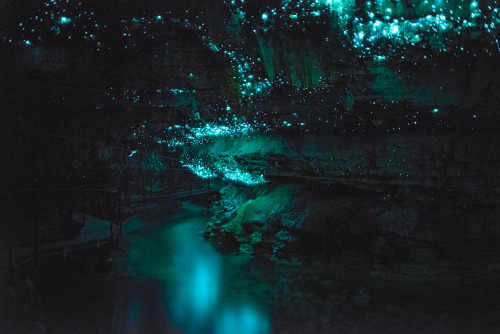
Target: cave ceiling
x=199, y=76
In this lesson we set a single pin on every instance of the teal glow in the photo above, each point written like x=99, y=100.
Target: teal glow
x=218, y=130
x=402, y=32
x=196, y=289
x=250, y=86
x=342, y=8
x=379, y=32
x=213, y=47
x=64, y=20
x=132, y=154
x=203, y=284
x=153, y=163
x=198, y=277
x=437, y=24
x=231, y=174
x=201, y=171
x=242, y=320
x=236, y=175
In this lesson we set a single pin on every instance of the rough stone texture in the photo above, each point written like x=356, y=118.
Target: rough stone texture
x=415, y=192
x=406, y=235
x=439, y=161
x=417, y=207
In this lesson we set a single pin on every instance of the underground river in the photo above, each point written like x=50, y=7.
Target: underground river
x=181, y=282
x=167, y=278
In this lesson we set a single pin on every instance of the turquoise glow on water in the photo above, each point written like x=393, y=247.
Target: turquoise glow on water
x=242, y=319
x=201, y=290
x=173, y=281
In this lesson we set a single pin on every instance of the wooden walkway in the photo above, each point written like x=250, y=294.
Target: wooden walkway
x=95, y=236
x=98, y=236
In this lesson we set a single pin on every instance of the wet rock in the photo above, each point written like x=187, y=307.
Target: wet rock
x=400, y=221
x=282, y=238
x=361, y=298
x=25, y=327
x=492, y=224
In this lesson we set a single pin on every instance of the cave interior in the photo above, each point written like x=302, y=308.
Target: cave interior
x=339, y=158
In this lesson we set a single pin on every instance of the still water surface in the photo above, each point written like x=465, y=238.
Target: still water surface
x=167, y=278
x=176, y=281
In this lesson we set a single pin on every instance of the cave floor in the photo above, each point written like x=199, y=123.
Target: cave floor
x=167, y=278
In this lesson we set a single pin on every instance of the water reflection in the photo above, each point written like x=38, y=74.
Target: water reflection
x=174, y=266
x=197, y=267
x=242, y=319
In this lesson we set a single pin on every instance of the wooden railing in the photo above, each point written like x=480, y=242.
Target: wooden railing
x=84, y=205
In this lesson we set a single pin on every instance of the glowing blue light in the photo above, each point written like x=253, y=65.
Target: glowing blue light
x=435, y=111
x=237, y=175
x=243, y=319
x=264, y=16
x=201, y=171
x=133, y=152
x=197, y=269
x=27, y=42
x=64, y=20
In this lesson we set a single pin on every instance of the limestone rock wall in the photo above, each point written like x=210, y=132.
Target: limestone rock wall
x=413, y=207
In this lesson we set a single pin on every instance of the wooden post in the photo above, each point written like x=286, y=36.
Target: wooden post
x=143, y=190
x=83, y=206
x=83, y=185
x=35, y=229
x=119, y=205
x=71, y=205
x=120, y=222
x=190, y=188
x=150, y=184
x=10, y=218
x=126, y=187
x=111, y=216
